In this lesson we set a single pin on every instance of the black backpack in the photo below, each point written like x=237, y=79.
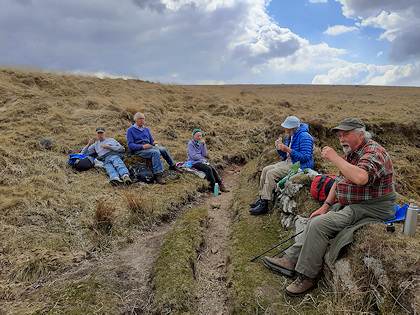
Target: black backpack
x=141, y=173
x=81, y=162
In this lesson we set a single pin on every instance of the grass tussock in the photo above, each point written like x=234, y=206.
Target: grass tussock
x=398, y=255
x=104, y=216
x=174, y=269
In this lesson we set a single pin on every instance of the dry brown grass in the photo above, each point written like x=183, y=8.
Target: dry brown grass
x=46, y=206
x=104, y=216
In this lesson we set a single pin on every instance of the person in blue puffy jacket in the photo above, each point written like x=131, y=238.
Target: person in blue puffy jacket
x=298, y=146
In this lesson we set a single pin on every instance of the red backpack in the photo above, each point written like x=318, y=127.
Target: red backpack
x=321, y=186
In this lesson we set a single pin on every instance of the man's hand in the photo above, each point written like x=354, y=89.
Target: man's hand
x=203, y=142
x=329, y=154
x=283, y=147
x=320, y=211
x=147, y=146
x=90, y=142
x=155, y=143
x=106, y=146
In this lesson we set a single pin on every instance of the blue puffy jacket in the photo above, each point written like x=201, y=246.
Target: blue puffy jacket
x=302, y=147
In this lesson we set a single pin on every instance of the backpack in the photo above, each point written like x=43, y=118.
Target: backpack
x=81, y=162
x=321, y=186
x=141, y=173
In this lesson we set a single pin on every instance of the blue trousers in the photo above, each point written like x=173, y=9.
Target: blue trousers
x=114, y=166
x=155, y=153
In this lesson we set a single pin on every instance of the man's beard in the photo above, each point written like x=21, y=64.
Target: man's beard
x=346, y=148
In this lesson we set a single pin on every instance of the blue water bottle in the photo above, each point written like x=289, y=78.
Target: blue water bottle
x=216, y=189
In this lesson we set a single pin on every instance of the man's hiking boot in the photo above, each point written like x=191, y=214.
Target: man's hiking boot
x=284, y=265
x=262, y=208
x=116, y=181
x=223, y=188
x=127, y=180
x=159, y=179
x=255, y=203
x=175, y=168
x=301, y=285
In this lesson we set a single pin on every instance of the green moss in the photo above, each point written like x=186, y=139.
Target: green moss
x=174, y=269
x=84, y=296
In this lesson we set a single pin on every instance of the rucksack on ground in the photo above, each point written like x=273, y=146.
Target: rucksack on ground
x=141, y=173
x=321, y=186
x=81, y=162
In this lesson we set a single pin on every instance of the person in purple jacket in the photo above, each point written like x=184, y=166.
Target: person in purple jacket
x=196, y=152
x=141, y=142
x=298, y=146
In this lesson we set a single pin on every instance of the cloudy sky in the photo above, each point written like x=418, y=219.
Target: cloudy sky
x=218, y=41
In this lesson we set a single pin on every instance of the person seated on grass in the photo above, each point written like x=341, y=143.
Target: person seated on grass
x=196, y=152
x=109, y=152
x=299, y=146
x=141, y=143
x=365, y=192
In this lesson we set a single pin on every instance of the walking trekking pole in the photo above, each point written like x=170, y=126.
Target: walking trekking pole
x=291, y=237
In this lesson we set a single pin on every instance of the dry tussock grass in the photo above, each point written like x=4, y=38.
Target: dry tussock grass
x=47, y=206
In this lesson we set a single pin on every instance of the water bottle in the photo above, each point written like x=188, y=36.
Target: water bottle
x=216, y=189
x=279, y=140
x=410, y=221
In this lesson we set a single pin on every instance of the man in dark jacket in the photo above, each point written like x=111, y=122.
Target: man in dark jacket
x=299, y=146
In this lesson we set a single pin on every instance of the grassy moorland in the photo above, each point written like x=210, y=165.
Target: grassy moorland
x=51, y=218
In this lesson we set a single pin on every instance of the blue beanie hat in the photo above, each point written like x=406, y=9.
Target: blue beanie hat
x=195, y=131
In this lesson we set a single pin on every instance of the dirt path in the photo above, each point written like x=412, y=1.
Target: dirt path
x=211, y=269
x=132, y=265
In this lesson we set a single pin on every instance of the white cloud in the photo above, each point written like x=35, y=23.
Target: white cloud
x=340, y=29
x=360, y=73
x=318, y=1
x=400, y=21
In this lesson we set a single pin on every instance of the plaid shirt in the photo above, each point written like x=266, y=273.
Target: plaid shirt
x=372, y=158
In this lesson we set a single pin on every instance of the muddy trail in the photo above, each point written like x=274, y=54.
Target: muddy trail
x=131, y=267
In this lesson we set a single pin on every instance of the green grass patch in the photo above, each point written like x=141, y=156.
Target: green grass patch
x=254, y=288
x=174, y=269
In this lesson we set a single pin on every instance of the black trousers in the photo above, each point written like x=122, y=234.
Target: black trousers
x=211, y=173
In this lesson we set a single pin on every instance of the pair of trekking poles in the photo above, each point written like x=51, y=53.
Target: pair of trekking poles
x=281, y=243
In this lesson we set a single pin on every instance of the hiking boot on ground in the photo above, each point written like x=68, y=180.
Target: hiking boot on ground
x=116, y=181
x=223, y=188
x=255, y=203
x=301, y=285
x=262, y=208
x=159, y=179
x=175, y=168
x=284, y=265
x=127, y=180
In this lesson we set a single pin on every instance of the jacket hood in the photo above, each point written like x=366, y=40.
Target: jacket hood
x=303, y=128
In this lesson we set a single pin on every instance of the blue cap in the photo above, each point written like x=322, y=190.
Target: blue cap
x=291, y=122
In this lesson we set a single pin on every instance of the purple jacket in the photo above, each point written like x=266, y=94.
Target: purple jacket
x=196, y=152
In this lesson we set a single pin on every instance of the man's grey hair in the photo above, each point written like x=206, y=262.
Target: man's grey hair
x=137, y=115
x=367, y=135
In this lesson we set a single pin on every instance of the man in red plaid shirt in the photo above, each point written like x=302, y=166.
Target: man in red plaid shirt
x=365, y=192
